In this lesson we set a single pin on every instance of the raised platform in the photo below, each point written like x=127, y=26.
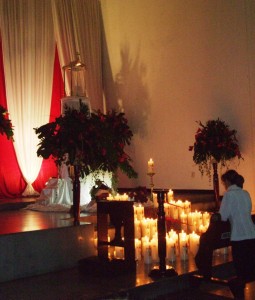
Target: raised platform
x=33, y=243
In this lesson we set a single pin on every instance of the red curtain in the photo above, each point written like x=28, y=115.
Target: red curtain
x=12, y=183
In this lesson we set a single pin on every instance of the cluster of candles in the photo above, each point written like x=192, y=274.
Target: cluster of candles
x=146, y=240
x=118, y=197
x=178, y=243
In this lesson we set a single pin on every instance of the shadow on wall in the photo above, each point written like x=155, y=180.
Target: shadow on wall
x=132, y=92
x=128, y=91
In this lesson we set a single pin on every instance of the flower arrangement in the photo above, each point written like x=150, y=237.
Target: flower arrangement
x=5, y=124
x=93, y=141
x=214, y=142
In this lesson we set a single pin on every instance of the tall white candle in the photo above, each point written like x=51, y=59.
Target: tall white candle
x=138, y=249
x=170, y=195
x=154, y=249
x=170, y=249
x=194, y=242
x=150, y=166
x=147, y=253
x=138, y=229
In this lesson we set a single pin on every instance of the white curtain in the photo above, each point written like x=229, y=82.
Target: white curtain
x=77, y=25
x=28, y=53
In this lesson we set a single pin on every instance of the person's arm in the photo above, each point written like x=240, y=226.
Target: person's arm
x=225, y=208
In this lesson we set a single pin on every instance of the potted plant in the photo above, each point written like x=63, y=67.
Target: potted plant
x=215, y=143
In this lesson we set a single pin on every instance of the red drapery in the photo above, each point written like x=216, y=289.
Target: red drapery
x=12, y=183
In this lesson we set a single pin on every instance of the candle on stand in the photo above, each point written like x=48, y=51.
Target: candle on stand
x=150, y=166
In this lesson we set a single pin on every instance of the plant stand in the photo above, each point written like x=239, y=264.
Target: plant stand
x=216, y=186
x=76, y=196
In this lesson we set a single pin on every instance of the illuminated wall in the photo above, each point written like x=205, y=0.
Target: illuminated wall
x=171, y=63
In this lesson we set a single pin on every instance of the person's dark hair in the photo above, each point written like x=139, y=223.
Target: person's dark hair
x=233, y=177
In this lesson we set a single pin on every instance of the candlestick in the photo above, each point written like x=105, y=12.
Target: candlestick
x=151, y=173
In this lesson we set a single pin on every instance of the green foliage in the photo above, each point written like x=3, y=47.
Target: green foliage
x=93, y=141
x=214, y=141
x=5, y=124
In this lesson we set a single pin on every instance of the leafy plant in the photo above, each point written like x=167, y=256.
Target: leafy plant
x=93, y=141
x=214, y=141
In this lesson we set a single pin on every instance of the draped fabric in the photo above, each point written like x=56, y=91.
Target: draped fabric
x=27, y=78
x=77, y=25
x=48, y=168
x=12, y=183
x=28, y=51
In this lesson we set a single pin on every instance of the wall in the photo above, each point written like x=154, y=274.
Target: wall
x=171, y=63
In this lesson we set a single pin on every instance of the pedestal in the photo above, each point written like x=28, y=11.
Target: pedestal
x=76, y=196
x=216, y=186
x=163, y=270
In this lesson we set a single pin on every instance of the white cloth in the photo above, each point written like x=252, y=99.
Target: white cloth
x=58, y=192
x=236, y=207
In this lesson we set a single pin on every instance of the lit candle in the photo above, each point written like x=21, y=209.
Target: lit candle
x=155, y=200
x=172, y=234
x=183, y=244
x=137, y=229
x=170, y=195
x=167, y=209
x=180, y=205
x=154, y=249
x=150, y=166
x=153, y=227
x=170, y=249
x=145, y=241
x=184, y=221
x=110, y=197
x=187, y=206
x=138, y=249
x=194, y=242
x=206, y=218
x=145, y=224
x=147, y=253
